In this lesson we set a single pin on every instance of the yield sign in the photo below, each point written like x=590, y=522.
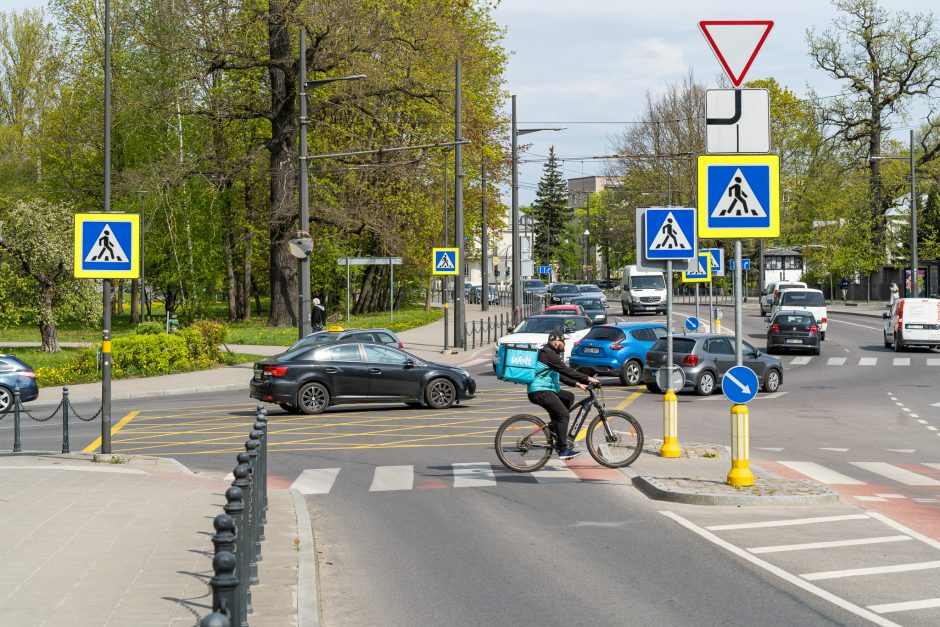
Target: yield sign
x=736, y=43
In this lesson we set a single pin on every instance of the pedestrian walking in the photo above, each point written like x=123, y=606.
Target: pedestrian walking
x=317, y=315
x=895, y=292
x=844, y=285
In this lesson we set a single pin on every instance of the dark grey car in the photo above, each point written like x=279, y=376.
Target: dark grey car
x=793, y=329
x=593, y=308
x=704, y=359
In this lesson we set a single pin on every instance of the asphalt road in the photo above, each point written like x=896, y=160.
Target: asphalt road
x=417, y=523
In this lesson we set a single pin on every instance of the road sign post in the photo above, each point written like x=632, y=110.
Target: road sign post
x=740, y=386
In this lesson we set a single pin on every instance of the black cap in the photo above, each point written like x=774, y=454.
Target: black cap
x=556, y=335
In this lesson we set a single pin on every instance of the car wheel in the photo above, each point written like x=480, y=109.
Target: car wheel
x=440, y=394
x=762, y=312
x=6, y=400
x=287, y=407
x=816, y=351
x=629, y=310
x=770, y=349
x=898, y=345
x=772, y=381
x=653, y=387
x=705, y=384
x=887, y=343
x=313, y=398
x=631, y=372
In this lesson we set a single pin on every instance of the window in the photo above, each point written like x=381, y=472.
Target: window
x=659, y=333
x=803, y=299
x=376, y=354
x=606, y=334
x=385, y=338
x=792, y=263
x=719, y=346
x=5, y=366
x=773, y=263
x=748, y=350
x=344, y=352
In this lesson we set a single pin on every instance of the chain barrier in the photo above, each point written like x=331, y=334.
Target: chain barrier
x=65, y=407
x=75, y=413
x=47, y=418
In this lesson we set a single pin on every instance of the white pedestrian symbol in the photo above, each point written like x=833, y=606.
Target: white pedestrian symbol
x=445, y=262
x=738, y=200
x=672, y=236
x=106, y=248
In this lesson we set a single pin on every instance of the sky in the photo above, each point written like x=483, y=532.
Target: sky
x=587, y=66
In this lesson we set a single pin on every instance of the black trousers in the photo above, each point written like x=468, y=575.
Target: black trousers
x=557, y=406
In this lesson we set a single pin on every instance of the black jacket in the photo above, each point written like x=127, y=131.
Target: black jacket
x=568, y=375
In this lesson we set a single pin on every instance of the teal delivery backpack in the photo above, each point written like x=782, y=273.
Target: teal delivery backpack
x=516, y=364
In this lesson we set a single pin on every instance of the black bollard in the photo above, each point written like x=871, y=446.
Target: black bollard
x=254, y=551
x=242, y=483
x=263, y=418
x=225, y=582
x=215, y=619
x=17, y=444
x=65, y=420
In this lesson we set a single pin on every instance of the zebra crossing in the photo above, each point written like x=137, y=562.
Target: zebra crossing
x=400, y=478
x=900, y=362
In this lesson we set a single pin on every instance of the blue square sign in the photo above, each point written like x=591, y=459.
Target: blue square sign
x=670, y=233
x=106, y=246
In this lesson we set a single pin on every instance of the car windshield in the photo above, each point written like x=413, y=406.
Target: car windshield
x=588, y=288
x=606, y=334
x=652, y=282
x=679, y=345
x=588, y=303
x=803, y=299
x=550, y=324
x=565, y=288
x=533, y=283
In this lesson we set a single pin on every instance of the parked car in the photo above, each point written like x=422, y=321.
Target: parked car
x=564, y=310
x=767, y=296
x=792, y=329
x=560, y=293
x=378, y=336
x=912, y=322
x=606, y=284
x=594, y=308
x=16, y=375
x=534, y=286
x=589, y=289
x=617, y=350
x=476, y=295
x=807, y=299
x=705, y=358
x=312, y=378
x=533, y=332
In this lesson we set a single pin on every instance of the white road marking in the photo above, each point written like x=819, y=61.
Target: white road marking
x=808, y=546
x=875, y=570
x=315, y=480
x=388, y=478
x=835, y=450
x=871, y=499
x=779, y=572
x=902, y=361
x=899, y=404
x=901, y=450
x=905, y=606
x=822, y=474
x=864, y=326
x=914, y=416
x=923, y=422
x=896, y=473
x=788, y=522
x=933, y=361
x=891, y=496
x=896, y=525
x=931, y=465
x=931, y=428
x=473, y=362
x=836, y=361
x=800, y=361
x=867, y=361
x=906, y=409
x=473, y=475
x=769, y=448
x=555, y=471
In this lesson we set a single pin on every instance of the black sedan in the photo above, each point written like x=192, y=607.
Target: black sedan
x=312, y=378
x=793, y=329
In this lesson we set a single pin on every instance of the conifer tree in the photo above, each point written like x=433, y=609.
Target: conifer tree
x=550, y=209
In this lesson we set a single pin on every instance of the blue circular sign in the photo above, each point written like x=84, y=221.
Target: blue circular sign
x=739, y=384
x=691, y=323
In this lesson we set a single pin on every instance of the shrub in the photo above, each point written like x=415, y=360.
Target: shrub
x=148, y=355
x=149, y=328
x=203, y=339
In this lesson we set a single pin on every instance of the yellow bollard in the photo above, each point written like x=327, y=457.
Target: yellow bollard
x=670, y=426
x=718, y=325
x=740, y=474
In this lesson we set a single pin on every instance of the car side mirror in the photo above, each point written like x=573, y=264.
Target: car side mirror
x=510, y=328
x=884, y=314
x=408, y=363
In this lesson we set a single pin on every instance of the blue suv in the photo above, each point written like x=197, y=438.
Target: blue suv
x=617, y=350
x=15, y=375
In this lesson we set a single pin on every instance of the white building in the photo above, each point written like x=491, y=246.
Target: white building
x=499, y=251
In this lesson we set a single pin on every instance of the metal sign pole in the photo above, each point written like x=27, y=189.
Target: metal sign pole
x=738, y=317
x=697, y=316
x=711, y=306
x=391, y=290
x=670, y=447
x=347, y=290
x=106, y=284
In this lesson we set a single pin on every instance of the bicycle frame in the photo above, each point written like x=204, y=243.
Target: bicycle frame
x=583, y=408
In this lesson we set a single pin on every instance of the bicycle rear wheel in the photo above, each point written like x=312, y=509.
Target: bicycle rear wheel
x=524, y=443
x=615, y=439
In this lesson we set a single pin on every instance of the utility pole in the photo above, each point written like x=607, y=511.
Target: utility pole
x=459, y=339
x=914, y=291
x=484, y=257
x=304, y=324
x=106, y=283
x=514, y=218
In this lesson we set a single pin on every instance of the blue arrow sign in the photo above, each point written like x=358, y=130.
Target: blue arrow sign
x=543, y=269
x=691, y=323
x=670, y=233
x=739, y=385
x=745, y=264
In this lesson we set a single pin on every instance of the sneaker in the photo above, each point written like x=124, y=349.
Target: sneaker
x=569, y=453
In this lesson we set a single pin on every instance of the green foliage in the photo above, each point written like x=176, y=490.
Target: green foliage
x=550, y=209
x=149, y=328
x=203, y=341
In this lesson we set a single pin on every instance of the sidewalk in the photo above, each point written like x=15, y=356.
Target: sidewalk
x=103, y=544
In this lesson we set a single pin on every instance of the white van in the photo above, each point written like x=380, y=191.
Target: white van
x=912, y=322
x=642, y=290
x=770, y=292
x=805, y=299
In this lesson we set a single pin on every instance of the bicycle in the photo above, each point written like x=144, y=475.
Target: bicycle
x=524, y=443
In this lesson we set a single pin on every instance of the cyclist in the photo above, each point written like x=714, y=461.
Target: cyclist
x=545, y=391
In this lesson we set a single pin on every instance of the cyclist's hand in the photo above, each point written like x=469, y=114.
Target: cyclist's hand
x=594, y=381
x=581, y=386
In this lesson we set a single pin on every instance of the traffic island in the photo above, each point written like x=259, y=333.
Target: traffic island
x=698, y=477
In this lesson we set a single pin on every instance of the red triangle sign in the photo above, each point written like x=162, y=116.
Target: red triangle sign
x=736, y=43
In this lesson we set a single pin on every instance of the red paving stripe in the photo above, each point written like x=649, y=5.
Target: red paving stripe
x=589, y=470
x=428, y=484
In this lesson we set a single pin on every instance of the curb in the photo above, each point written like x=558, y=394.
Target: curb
x=224, y=387
x=308, y=605
x=807, y=493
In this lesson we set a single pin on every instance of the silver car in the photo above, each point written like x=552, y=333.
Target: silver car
x=705, y=358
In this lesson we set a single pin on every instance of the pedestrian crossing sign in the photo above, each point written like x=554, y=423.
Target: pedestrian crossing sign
x=702, y=274
x=670, y=233
x=739, y=196
x=107, y=246
x=445, y=261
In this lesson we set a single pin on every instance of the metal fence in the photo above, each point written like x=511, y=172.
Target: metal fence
x=65, y=407
x=240, y=531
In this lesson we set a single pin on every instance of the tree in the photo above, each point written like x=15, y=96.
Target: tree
x=886, y=61
x=550, y=209
x=36, y=239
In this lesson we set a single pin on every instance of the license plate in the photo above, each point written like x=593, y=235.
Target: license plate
x=592, y=350
x=913, y=326
x=794, y=341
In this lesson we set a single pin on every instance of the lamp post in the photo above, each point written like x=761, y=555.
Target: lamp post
x=587, y=254
x=516, y=252
x=914, y=260
x=303, y=324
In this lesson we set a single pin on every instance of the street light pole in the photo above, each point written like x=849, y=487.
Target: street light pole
x=304, y=323
x=460, y=341
x=914, y=291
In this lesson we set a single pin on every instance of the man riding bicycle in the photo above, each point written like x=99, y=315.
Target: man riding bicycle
x=546, y=392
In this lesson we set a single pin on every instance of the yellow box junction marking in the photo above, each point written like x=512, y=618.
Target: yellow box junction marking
x=91, y=448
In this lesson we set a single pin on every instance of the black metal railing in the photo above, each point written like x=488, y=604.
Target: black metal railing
x=240, y=531
x=65, y=407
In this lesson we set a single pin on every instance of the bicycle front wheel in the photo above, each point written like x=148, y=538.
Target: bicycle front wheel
x=615, y=439
x=523, y=443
